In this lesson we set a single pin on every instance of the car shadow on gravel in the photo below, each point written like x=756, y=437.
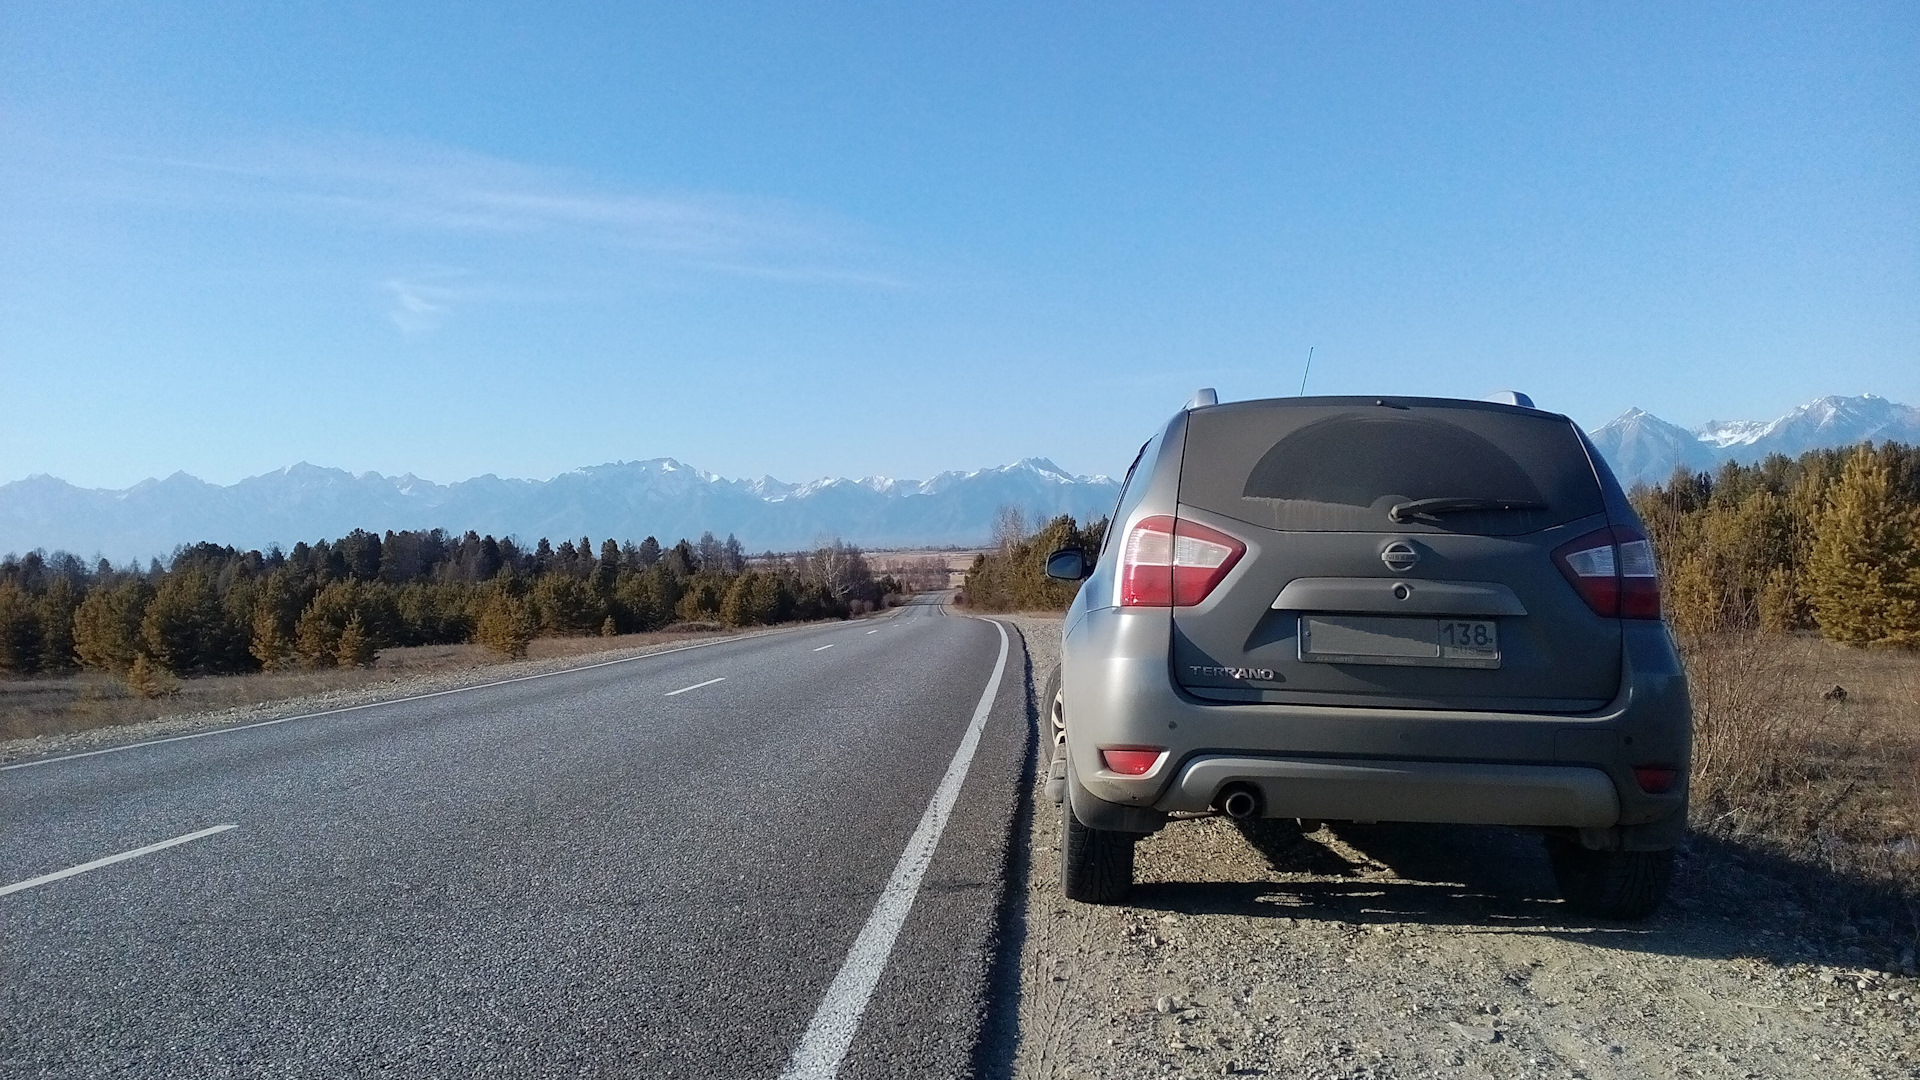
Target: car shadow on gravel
x=1727, y=900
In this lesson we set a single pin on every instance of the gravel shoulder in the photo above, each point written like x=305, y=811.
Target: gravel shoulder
x=400, y=686
x=1401, y=951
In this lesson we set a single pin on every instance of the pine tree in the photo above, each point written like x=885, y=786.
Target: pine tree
x=270, y=644
x=1863, y=569
x=565, y=604
x=701, y=601
x=106, y=625
x=56, y=610
x=274, y=613
x=1781, y=608
x=647, y=553
x=355, y=647
x=315, y=638
x=150, y=680
x=21, y=643
x=608, y=629
x=736, y=606
x=608, y=572
x=506, y=624
x=186, y=628
x=642, y=599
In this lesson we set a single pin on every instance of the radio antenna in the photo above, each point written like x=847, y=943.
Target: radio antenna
x=1303, y=374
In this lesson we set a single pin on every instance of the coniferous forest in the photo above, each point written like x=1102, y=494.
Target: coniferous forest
x=1829, y=542
x=216, y=610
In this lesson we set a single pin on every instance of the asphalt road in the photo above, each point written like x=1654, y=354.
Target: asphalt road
x=586, y=874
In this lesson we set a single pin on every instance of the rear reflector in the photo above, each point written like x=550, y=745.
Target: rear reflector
x=1613, y=571
x=1170, y=562
x=1131, y=760
x=1655, y=779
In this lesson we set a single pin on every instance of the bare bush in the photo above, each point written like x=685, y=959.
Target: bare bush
x=1779, y=759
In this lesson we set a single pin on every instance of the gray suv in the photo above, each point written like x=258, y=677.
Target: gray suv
x=1373, y=609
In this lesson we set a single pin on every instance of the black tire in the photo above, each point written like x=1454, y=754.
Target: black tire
x=1610, y=884
x=1096, y=866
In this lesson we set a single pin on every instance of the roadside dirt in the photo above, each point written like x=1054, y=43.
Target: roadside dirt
x=245, y=699
x=1403, y=951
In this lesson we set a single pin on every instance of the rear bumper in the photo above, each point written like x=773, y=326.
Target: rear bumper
x=1400, y=764
x=1450, y=792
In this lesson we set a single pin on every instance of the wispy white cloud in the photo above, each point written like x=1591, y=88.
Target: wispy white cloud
x=427, y=191
x=417, y=308
x=434, y=187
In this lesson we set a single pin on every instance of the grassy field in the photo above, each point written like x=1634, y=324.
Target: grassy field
x=56, y=705
x=1810, y=750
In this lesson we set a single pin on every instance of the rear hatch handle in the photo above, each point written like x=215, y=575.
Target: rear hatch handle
x=1389, y=596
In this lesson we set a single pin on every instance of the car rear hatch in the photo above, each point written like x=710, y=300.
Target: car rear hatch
x=1458, y=604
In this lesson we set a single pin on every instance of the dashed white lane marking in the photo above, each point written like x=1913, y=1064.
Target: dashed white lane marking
x=390, y=701
x=826, y=1039
x=823, y=648
x=695, y=686
x=110, y=860
x=873, y=631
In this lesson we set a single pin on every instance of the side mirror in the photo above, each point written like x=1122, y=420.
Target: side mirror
x=1067, y=564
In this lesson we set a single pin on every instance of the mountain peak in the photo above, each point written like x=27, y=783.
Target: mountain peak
x=1643, y=448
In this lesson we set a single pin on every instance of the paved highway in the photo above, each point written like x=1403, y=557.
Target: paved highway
x=775, y=856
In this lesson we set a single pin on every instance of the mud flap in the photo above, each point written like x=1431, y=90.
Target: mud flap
x=1652, y=836
x=1057, y=782
x=1097, y=813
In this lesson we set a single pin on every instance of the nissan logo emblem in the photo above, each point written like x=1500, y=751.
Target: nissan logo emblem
x=1399, y=556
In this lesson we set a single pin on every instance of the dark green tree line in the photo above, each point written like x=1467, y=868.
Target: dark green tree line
x=217, y=610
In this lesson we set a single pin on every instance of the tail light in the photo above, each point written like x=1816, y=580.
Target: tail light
x=1613, y=571
x=1170, y=562
x=1131, y=760
x=1655, y=779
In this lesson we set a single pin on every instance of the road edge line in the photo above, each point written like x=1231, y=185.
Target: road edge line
x=824, y=1044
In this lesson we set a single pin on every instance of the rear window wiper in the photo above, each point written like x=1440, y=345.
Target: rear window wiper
x=1401, y=513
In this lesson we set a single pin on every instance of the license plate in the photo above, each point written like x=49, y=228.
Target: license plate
x=1398, y=641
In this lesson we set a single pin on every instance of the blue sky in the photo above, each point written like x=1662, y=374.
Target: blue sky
x=832, y=239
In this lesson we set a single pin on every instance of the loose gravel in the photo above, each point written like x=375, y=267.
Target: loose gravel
x=1412, y=951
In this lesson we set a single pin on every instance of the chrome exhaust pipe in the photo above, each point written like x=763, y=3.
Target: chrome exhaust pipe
x=1239, y=802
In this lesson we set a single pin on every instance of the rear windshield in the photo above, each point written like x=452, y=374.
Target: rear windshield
x=1338, y=464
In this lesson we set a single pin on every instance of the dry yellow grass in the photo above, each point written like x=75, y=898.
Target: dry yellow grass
x=1826, y=778
x=56, y=705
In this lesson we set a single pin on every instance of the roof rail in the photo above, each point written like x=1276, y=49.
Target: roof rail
x=1510, y=397
x=1202, y=398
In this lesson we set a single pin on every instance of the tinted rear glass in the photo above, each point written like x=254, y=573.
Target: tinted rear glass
x=1337, y=464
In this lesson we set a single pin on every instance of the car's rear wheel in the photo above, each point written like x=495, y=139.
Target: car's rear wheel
x=1053, y=705
x=1610, y=884
x=1096, y=865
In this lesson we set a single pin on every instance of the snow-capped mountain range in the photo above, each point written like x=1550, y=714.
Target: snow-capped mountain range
x=667, y=499
x=625, y=500
x=1642, y=448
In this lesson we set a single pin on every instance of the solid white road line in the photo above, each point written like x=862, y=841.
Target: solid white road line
x=695, y=686
x=826, y=1039
x=823, y=648
x=391, y=701
x=111, y=859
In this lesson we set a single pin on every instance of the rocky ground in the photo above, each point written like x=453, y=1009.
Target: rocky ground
x=1404, y=951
